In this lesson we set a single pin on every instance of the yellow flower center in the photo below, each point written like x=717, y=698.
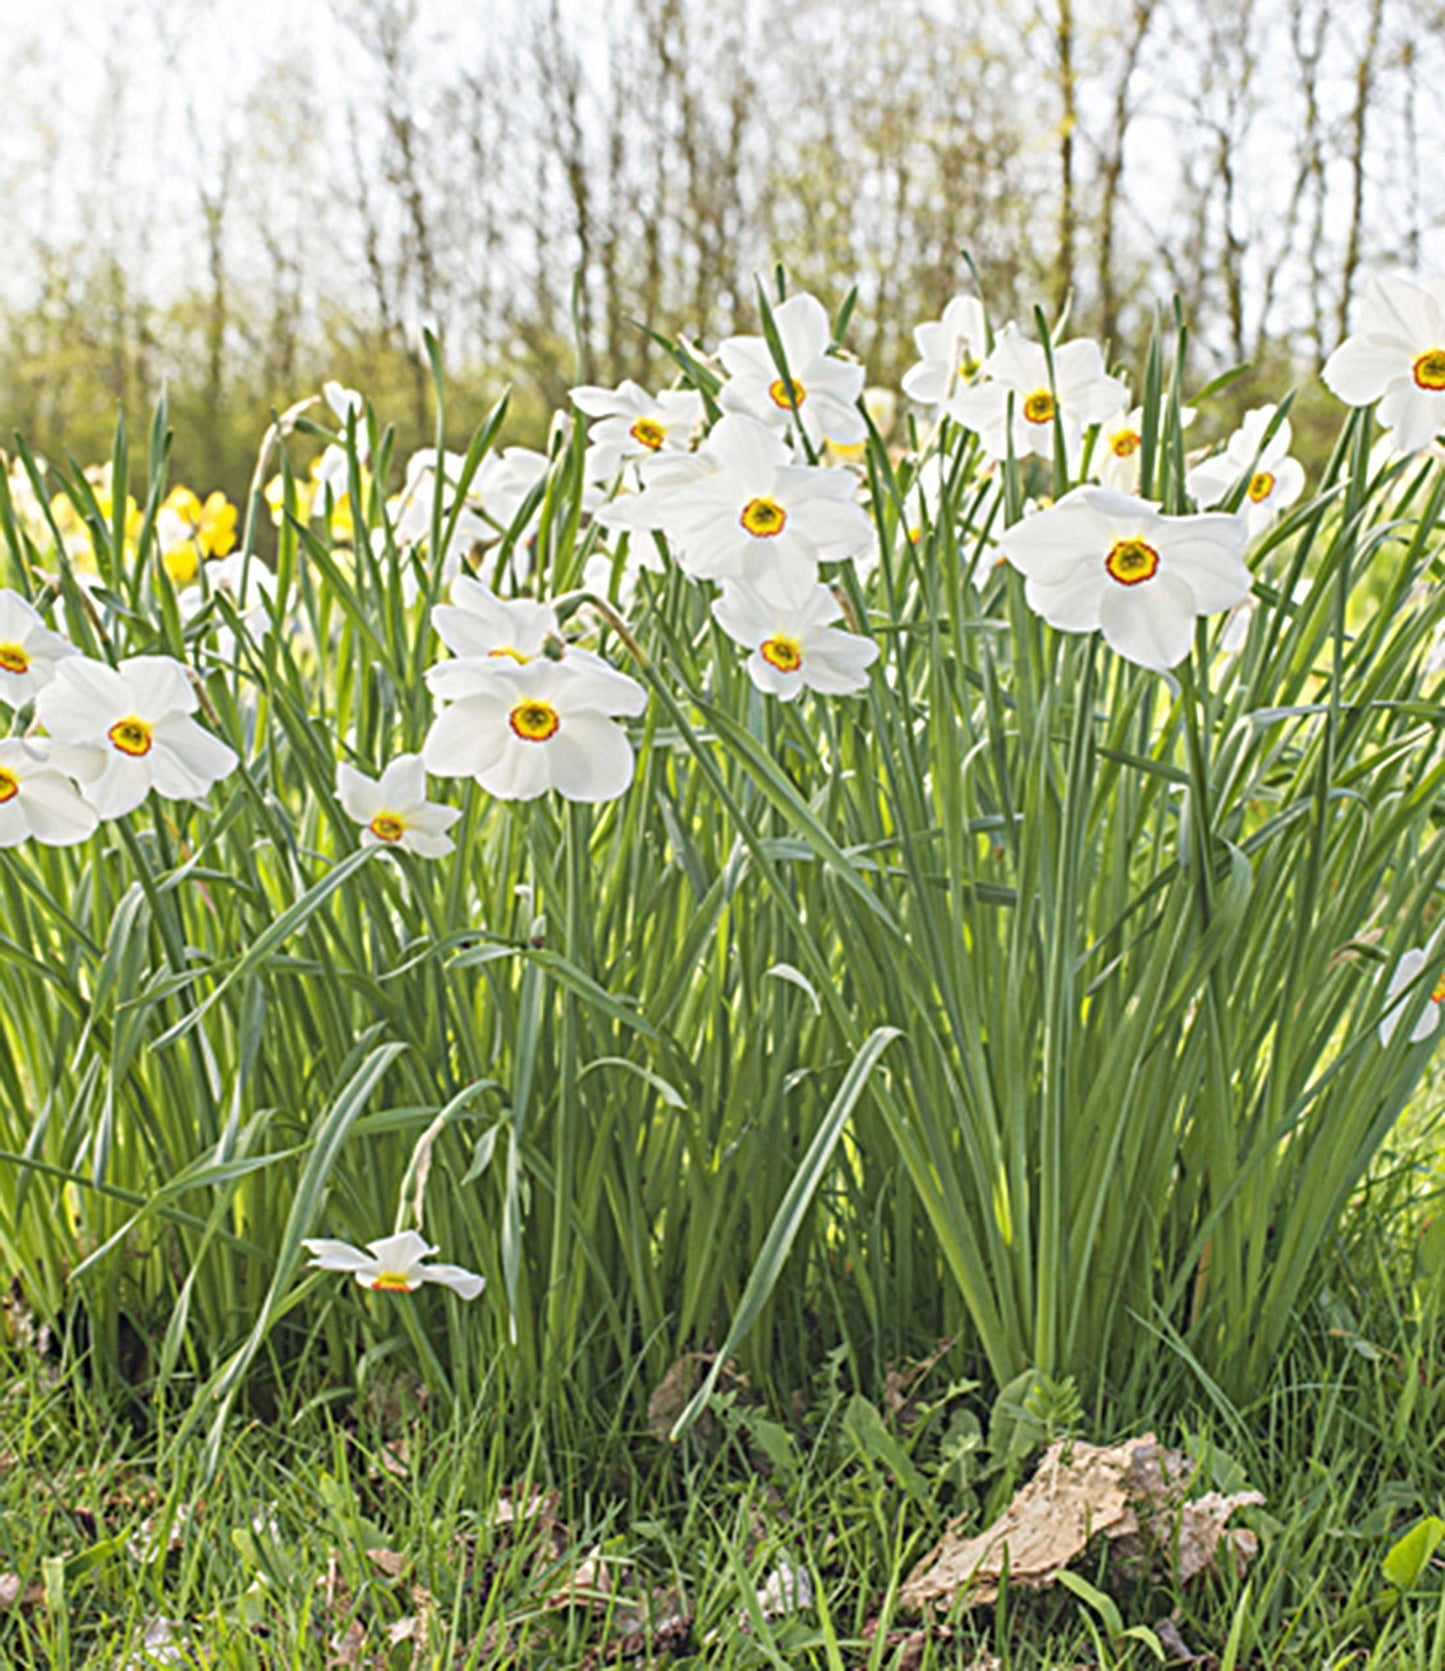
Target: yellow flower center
x=516, y=655
x=9, y=786
x=967, y=366
x=779, y=389
x=535, y=722
x=786, y=654
x=763, y=518
x=1039, y=407
x=386, y=826
x=391, y=1282
x=1131, y=561
x=1438, y=994
x=1126, y=443
x=648, y=434
x=13, y=659
x=1430, y=370
x=131, y=736
x=1261, y=485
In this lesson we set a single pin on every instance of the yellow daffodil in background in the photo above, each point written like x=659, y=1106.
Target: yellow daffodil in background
x=189, y=529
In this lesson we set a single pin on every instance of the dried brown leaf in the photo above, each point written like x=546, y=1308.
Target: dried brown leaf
x=1077, y=1493
x=14, y=1594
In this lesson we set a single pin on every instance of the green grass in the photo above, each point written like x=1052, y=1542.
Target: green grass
x=266, y=1562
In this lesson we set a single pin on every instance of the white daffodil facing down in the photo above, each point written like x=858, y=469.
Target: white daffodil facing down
x=786, y=621
x=29, y=650
x=331, y=469
x=1080, y=393
x=392, y=1264
x=1406, y=973
x=1274, y=480
x=136, y=720
x=1396, y=357
x=523, y=727
x=631, y=423
x=757, y=512
x=824, y=388
x=38, y=801
x=952, y=351
x=394, y=810
x=1099, y=561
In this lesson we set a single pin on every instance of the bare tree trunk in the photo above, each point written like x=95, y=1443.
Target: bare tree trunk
x=1359, y=116
x=1111, y=168
x=1068, y=123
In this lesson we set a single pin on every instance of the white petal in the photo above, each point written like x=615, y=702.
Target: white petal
x=749, y=450
x=336, y=1256
x=403, y=782
x=590, y=758
x=401, y=1252
x=803, y=327
x=57, y=814
x=466, y=1283
x=121, y=787
x=467, y=739
x=1151, y=624
x=360, y=796
x=1362, y=368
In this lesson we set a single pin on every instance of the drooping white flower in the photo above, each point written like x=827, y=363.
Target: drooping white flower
x=825, y=389
x=1099, y=561
x=1081, y=393
x=29, y=650
x=631, y=423
x=786, y=621
x=1406, y=972
x=756, y=511
x=225, y=574
x=392, y=1264
x=331, y=469
x=522, y=727
x=1275, y=480
x=136, y=717
x=952, y=351
x=37, y=800
x=394, y=810
x=1396, y=357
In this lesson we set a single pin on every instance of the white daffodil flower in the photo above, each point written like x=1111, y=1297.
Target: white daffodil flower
x=631, y=423
x=39, y=801
x=786, y=621
x=1099, y=561
x=1275, y=480
x=392, y=1264
x=1397, y=357
x=1120, y=443
x=758, y=512
x=224, y=574
x=665, y=479
x=1082, y=393
x=136, y=719
x=952, y=351
x=522, y=728
x=604, y=577
x=1405, y=972
x=29, y=650
x=331, y=469
x=485, y=632
x=394, y=810
x=824, y=388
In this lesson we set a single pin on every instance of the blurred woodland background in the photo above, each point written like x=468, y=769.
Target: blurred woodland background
x=235, y=203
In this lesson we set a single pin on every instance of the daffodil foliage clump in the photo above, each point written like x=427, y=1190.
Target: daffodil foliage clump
x=788, y=862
